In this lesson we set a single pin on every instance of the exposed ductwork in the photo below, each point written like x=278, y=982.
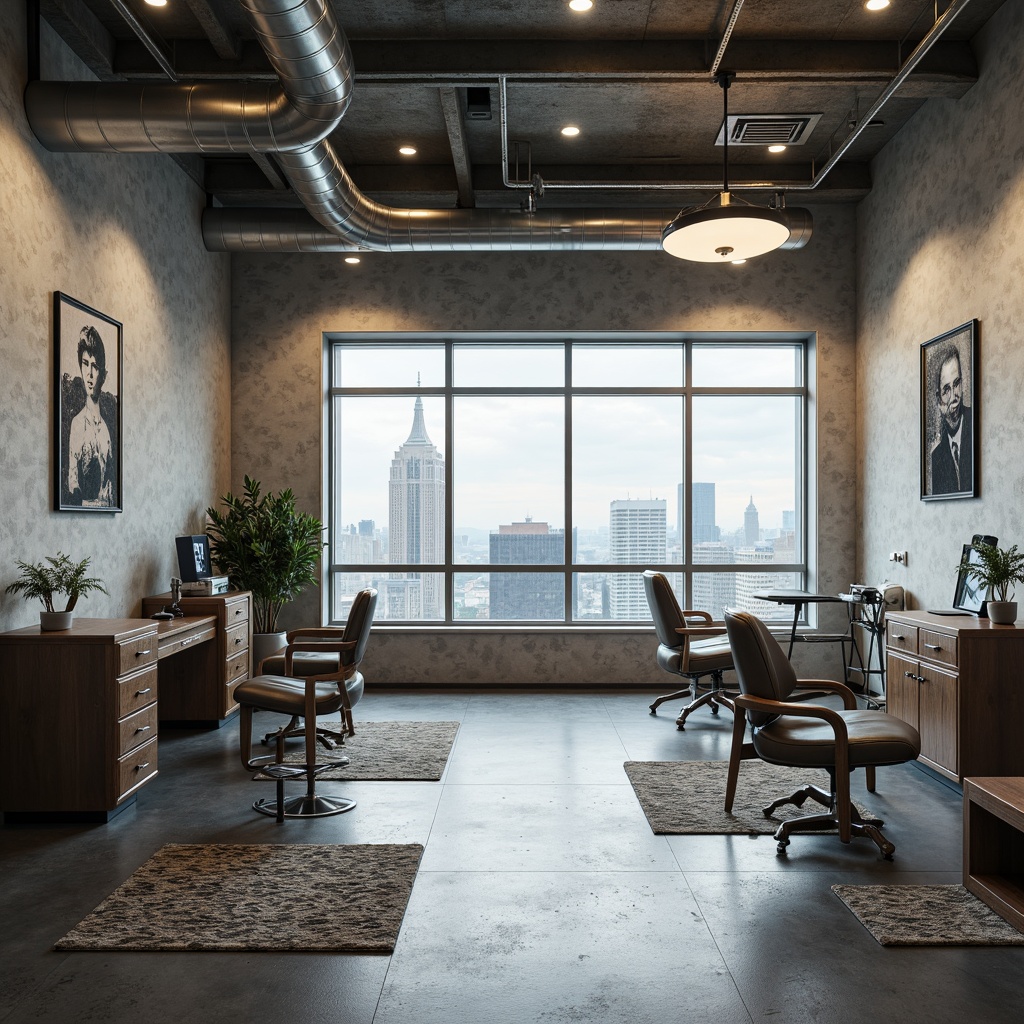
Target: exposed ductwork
x=293, y=119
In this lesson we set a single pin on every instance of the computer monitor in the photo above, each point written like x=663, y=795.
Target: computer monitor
x=969, y=596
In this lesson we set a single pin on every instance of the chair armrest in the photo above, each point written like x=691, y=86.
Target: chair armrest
x=321, y=631
x=319, y=646
x=698, y=631
x=833, y=685
x=692, y=613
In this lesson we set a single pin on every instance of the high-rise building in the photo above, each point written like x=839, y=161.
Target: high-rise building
x=788, y=521
x=749, y=583
x=416, y=524
x=751, y=528
x=713, y=592
x=527, y=595
x=702, y=510
x=638, y=534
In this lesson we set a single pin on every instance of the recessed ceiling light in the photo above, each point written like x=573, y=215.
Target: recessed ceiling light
x=876, y=5
x=352, y=259
x=407, y=150
x=580, y=5
x=737, y=263
x=157, y=3
x=570, y=131
x=776, y=149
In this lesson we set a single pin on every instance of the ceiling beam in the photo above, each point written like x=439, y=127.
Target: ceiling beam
x=452, y=110
x=948, y=70
x=269, y=170
x=85, y=34
x=226, y=44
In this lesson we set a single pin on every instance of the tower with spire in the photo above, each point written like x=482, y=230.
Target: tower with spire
x=751, y=526
x=416, y=523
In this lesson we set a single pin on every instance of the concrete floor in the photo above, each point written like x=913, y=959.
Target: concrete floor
x=542, y=895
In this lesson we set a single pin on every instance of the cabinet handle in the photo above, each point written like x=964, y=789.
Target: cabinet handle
x=142, y=654
x=140, y=767
x=934, y=647
x=922, y=679
x=898, y=636
x=238, y=611
x=910, y=675
x=187, y=641
x=238, y=639
x=144, y=728
x=139, y=693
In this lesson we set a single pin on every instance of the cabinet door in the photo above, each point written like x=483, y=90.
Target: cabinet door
x=938, y=717
x=902, y=689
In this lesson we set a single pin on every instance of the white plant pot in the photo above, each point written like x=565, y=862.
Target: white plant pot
x=55, y=620
x=264, y=645
x=1002, y=613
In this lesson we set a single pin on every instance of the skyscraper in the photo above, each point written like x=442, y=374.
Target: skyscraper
x=416, y=524
x=703, y=505
x=527, y=595
x=751, y=528
x=638, y=534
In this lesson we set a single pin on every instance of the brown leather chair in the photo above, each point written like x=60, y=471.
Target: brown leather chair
x=690, y=646
x=808, y=736
x=333, y=654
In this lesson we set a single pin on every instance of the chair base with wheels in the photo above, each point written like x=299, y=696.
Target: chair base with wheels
x=713, y=697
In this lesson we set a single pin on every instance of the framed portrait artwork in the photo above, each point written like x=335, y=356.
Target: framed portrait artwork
x=87, y=366
x=950, y=414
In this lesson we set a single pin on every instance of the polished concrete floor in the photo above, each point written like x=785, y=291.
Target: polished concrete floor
x=542, y=895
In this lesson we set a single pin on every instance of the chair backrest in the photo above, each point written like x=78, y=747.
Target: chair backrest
x=762, y=668
x=665, y=610
x=357, y=626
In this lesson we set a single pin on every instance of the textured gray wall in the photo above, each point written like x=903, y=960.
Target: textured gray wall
x=121, y=234
x=940, y=242
x=282, y=304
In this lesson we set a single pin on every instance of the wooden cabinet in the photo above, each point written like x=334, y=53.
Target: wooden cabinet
x=78, y=718
x=959, y=681
x=197, y=684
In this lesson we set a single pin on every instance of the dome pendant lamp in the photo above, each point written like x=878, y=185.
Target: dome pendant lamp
x=726, y=228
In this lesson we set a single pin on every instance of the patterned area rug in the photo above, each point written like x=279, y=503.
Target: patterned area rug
x=687, y=797
x=387, y=751
x=926, y=915
x=221, y=897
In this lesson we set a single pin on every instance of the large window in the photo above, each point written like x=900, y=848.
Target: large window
x=532, y=480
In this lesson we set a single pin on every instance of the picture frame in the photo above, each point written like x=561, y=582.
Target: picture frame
x=193, y=557
x=950, y=415
x=88, y=385
x=969, y=595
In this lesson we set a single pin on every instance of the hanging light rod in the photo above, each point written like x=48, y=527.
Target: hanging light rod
x=727, y=228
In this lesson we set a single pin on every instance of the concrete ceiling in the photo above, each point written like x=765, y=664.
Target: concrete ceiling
x=633, y=75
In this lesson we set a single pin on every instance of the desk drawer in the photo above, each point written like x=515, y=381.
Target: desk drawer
x=236, y=639
x=901, y=637
x=172, y=644
x=237, y=668
x=937, y=647
x=136, y=691
x=136, y=768
x=133, y=654
x=137, y=728
x=236, y=611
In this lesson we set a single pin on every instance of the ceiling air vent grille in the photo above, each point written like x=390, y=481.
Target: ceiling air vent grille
x=768, y=129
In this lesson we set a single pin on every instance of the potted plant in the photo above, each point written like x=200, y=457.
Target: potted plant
x=997, y=571
x=264, y=545
x=60, y=576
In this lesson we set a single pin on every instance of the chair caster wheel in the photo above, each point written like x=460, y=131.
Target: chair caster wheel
x=681, y=726
x=780, y=849
x=654, y=710
x=714, y=709
x=887, y=851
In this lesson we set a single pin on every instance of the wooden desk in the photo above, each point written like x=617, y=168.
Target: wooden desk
x=959, y=680
x=994, y=845
x=78, y=718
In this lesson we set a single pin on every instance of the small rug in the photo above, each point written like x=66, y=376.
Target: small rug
x=324, y=898
x=386, y=751
x=927, y=915
x=687, y=797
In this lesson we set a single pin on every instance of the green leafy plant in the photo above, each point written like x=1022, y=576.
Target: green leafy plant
x=998, y=570
x=263, y=544
x=60, y=576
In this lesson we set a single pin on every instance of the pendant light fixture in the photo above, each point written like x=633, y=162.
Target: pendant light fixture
x=726, y=228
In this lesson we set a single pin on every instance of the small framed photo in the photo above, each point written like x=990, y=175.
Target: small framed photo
x=193, y=557
x=950, y=415
x=87, y=436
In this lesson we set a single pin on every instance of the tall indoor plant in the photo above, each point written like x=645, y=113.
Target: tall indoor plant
x=997, y=571
x=265, y=545
x=61, y=576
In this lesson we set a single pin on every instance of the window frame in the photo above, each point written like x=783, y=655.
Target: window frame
x=805, y=464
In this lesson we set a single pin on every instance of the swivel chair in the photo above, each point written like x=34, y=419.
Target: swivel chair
x=340, y=651
x=686, y=649
x=808, y=736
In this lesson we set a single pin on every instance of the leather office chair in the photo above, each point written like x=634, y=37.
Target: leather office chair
x=340, y=651
x=808, y=736
x=688, y=649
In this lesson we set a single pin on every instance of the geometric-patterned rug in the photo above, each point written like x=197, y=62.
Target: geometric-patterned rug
x=927, y=915
x=386, y=751
x=323, y=898
x=687, y=797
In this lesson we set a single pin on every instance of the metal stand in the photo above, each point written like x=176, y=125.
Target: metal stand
x=310, y=804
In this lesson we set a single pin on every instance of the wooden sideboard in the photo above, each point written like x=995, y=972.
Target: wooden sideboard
x=78, y=718
x=959, y=680
x=197, y=686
